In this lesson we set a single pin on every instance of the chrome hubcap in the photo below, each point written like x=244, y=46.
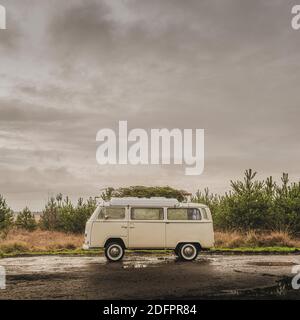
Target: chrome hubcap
x=114, y=252
x=188, y=251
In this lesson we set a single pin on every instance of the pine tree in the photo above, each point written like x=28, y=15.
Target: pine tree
x=26, y=220
x=6, y=216
x=49, y=218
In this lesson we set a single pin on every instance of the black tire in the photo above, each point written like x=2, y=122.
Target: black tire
x=114, y=251
x=188, y=251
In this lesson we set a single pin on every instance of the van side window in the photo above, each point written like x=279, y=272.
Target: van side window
x=184, y=214
x=112, y=213
x=204, y=213
x=147, y=213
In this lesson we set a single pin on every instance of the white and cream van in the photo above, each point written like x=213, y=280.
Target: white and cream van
x=154, y=223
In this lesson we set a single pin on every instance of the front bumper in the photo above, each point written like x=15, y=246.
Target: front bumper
x=85, y=246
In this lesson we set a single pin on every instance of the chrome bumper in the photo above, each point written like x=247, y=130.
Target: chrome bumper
x=85, y=246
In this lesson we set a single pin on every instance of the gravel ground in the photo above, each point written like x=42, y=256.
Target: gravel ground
x=141, y=276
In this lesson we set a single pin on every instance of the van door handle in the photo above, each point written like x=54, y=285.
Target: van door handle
x=131, y=227
x=124, y=227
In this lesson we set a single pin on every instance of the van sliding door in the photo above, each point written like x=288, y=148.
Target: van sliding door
x=146, y=228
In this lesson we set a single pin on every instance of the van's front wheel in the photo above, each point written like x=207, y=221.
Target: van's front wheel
x=114, y=252
x=188, y=251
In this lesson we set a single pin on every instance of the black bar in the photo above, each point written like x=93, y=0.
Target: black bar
x=90, y=310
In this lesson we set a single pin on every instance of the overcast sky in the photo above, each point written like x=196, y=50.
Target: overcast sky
x=70, y=68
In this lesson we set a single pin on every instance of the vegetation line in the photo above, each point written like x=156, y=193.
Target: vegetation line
x=78, y=252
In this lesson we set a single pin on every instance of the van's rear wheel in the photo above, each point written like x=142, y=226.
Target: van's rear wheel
x=114, y=252
x=188, y=251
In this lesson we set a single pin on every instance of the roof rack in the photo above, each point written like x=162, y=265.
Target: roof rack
x=133, y=201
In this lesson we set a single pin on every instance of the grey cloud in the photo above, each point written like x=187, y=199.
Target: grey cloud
x=201, y=31
x=230, y=67
x=18, y=111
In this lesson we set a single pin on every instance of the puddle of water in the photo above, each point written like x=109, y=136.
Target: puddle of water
x=282, y=289
x=135, y=266
x=271, y=263
x=145, y=262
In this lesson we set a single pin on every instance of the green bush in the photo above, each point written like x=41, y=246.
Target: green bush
x=286, y=207
x=49, y=218
x=61, y=215
x=26, y=220
x=6, y=217
x=252, y=204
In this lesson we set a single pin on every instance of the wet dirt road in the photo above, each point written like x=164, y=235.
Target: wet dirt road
x=142, y=276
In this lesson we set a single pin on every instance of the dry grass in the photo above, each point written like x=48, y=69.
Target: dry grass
x=255, y=239
x=39, y=240
x=24, y=241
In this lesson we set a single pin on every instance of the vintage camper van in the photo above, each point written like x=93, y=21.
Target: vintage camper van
x=154, y=223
